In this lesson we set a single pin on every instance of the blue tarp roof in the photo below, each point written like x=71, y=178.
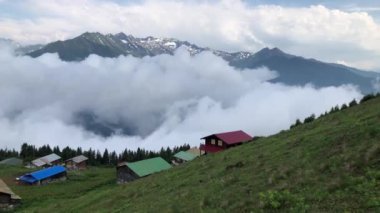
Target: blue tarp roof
x=42, y=174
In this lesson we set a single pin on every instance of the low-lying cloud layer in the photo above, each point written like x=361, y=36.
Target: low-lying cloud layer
x=162, y=101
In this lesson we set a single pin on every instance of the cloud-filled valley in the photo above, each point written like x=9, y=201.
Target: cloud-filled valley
x=150, y=102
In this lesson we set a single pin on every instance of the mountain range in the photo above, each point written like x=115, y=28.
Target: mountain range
x=292, y=70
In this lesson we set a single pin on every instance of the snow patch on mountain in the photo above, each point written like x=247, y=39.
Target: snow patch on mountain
x=171, y=44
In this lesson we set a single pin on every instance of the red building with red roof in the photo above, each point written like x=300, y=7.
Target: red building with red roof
x=225, y=140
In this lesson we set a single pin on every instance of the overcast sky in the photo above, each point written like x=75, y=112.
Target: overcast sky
x=343, y=31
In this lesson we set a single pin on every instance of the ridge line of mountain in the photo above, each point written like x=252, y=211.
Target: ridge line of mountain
x=292, y=70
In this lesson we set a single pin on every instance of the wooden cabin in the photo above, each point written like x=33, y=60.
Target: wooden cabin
x=182, y=157
x=127, y=172
x=46, y=161
x=221, y=141
x=7, y=197
x=77, y=163
x=44, y=176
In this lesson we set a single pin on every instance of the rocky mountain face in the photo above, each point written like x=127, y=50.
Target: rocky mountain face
x=295, y=70
x=110, y=45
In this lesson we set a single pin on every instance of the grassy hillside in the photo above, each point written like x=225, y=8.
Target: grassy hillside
x=79, y=183
x=329, y=165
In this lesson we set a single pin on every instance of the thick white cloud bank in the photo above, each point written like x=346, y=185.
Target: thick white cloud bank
x=169, y=100
x=332, y=35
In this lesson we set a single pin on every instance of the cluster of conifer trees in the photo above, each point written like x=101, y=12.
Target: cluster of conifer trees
x=353, y=103
x=6, y=153
x=95, y=157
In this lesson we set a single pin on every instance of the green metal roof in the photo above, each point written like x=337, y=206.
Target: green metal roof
x=12, y=161
x=187, y=156
x=149, y=166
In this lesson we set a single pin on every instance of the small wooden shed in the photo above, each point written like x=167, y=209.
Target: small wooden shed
x=77, y=163
x=127, y=172
x=182, y=157
x=7, y=196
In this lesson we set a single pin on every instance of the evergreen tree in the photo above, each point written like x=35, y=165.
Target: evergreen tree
x=79, y=151
x=113, y=158
x=56, y=150
x=309, y=119
x=106, y=158
x=98, y=158
x=352, y=103
x=344, y=106
x=24, y=151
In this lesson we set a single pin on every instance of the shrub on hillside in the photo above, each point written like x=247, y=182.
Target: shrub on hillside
x=298, y=122
x=281, y=200
x=353, y=103
x=309, y=119
x=334, y=109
